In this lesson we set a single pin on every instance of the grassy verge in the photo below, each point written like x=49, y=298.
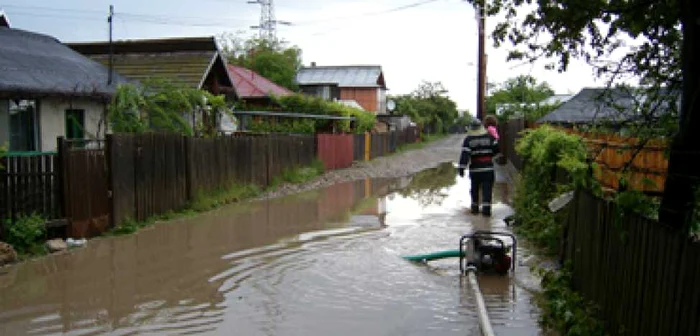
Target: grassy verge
x=299, y=175
x=228, y=195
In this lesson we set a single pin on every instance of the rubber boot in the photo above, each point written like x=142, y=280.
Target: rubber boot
x=475, y=209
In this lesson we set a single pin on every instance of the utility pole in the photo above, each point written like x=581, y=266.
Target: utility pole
x=111, y=46
x=268, y=24
x=481, y=90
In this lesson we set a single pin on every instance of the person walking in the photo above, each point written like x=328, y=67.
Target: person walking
x=478, y=149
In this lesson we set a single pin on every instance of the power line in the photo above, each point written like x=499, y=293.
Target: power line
x=187, y=21
x=69, y=13
x=382, y=12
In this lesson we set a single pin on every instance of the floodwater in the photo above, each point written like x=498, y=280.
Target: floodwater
x=319, y=263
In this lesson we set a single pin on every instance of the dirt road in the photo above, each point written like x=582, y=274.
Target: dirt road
x=397, y=165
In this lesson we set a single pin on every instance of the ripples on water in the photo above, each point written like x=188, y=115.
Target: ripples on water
x=294, y=266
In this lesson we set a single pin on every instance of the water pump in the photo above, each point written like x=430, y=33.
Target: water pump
x=487, y=252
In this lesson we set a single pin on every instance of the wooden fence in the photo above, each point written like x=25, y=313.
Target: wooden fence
x=336, y=151
x=156, y=173
x=29, y=184
x=95, y=184
x=647, y=164
x=358, y=144
x=85, y=186
x=379, y=145
x=642, y=274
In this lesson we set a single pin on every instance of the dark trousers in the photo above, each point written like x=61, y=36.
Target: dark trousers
x=482, y=182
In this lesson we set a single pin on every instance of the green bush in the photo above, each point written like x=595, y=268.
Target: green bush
x=27, y=234
x=565, y=310
x=302, y=104
x=543, y=150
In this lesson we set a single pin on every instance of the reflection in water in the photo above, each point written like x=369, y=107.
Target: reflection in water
x=428, y=186
x=319, y=263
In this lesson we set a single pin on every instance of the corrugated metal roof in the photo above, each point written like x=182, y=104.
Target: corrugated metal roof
x=36, y=64
x=598, y=104
x=249, y=84
x=186, y=60
x=343, y=76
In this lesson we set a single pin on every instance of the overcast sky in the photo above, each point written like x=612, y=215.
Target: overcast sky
x=436, y=41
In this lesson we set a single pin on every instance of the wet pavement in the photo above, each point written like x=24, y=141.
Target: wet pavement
x=322, y=262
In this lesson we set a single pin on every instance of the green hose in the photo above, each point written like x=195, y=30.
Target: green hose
x=434, y=256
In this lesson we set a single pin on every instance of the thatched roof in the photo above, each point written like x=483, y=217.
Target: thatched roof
x=35, y=65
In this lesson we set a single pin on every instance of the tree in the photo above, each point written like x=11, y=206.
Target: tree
x=162, y=105
x=429, y=107
x=514, y=96
x=659, y=41
x=274, y=60
x=464, y=120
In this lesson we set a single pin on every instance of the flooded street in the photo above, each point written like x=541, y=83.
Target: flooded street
x=318, y=263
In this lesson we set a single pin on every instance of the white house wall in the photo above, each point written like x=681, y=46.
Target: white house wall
x=52, y=115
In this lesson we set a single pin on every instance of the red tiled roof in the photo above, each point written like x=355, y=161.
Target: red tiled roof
x=249, y=84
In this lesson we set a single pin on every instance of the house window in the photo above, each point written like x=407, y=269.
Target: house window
x=75, y=124
x=24, y=128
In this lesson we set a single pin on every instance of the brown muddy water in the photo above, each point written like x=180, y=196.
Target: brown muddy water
x=319, y=263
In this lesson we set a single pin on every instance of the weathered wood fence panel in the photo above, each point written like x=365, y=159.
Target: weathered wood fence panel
x=358, y=152
x=170, y=170
x=642, y=274
x=335, y=150
x=29, y=184
x=85, y=187
x=121, y=153
x=159, y=166
x=380, y=145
